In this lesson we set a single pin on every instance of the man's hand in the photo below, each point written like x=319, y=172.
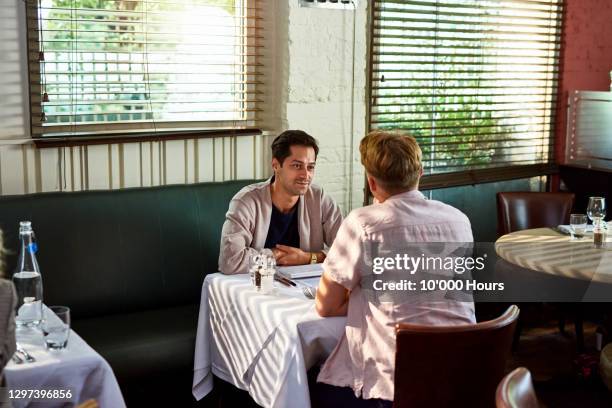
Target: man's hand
x=286, y=256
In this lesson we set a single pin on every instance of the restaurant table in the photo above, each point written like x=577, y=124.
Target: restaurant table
x=78, y=368
x=263, y=344
x=547, y=251
x=571, y=272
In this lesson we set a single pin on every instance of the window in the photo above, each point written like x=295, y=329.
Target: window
x=475, y=81
x=100, y=67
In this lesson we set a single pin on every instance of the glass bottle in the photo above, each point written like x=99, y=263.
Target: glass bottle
x=27, y=280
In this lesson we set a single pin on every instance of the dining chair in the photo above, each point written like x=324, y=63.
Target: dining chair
x=524, y=210
x=516, y=391
x=452, y=366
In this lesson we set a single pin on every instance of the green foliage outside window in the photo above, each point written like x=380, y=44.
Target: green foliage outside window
x=96, y=51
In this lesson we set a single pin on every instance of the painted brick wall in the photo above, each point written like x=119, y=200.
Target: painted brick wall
x=586, y=56
x=326, y=76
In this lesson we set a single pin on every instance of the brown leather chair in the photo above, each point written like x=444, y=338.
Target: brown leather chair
x=523, y=210
x=516, y=391
x=452, y=366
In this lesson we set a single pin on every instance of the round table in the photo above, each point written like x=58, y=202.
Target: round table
x=545, y=250
x=558, y=256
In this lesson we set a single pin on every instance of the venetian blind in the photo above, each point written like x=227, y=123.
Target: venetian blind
x=123, y=66
x=475, y=81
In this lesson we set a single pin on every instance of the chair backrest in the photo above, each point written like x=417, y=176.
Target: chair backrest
x=452, y=366
x=522, y=210
x=516, y=391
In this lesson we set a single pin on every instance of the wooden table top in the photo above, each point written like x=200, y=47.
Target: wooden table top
x=545, y=250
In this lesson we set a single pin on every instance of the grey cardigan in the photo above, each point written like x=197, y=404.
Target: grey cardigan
x=248, y=219
x=8, y=302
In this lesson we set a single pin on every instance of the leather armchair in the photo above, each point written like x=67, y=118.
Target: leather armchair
x=523, y=210
x=452, y=366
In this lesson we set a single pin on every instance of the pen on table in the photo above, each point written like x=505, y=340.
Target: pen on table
x=278, y=279
x=284, y=280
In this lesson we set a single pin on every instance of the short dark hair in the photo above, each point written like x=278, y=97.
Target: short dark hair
x=281, y=146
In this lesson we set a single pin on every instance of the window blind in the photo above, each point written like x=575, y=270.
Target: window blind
x=475, y=81
x=123, y=66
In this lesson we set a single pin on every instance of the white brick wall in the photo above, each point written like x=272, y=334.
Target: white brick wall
x=320, y=89
x=309, y=53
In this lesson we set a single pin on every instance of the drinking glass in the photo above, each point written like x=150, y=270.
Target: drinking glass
x=262, y=267
x=56, y=327
x=596, y=209
x=578, y=225
x=267, y=279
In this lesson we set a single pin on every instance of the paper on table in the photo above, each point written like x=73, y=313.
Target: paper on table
x=301, y=271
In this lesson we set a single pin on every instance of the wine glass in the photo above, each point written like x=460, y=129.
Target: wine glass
x=596, y=209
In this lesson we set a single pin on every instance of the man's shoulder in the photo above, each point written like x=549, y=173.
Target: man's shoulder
x=252, y=191
x=6, y=284
x=317, y=194
x=362, y=217
x=446, y=211
x=316, y=190
x=7, y=289
x=361, y=213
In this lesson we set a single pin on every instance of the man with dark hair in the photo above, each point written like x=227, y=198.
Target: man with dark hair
x=286, y=213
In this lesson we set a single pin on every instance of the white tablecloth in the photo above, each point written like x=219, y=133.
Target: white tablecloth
x=78, y=368
x=547, y=251
x=260, y=343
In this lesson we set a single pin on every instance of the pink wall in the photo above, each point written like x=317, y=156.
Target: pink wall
x=586, y=56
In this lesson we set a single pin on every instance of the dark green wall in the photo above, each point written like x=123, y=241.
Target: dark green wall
x=478, y=202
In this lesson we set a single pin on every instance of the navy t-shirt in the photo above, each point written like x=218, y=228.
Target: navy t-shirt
x=283, y=228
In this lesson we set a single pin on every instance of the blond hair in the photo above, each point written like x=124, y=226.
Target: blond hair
x=393, y=159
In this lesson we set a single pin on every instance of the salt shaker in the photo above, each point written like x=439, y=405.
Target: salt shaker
x=599, y=234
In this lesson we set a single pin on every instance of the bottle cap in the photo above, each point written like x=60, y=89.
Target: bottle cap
x=25, y=226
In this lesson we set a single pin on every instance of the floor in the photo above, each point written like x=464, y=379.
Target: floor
x=549, y=355
x=556, y=366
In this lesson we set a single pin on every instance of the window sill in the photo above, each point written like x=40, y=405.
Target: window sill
x=490, y=175
x=113, y=138
x=480, y=176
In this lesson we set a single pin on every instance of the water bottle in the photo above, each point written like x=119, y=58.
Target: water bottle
x=27, y=280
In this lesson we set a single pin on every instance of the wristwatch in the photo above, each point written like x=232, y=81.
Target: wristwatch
x=313, y=258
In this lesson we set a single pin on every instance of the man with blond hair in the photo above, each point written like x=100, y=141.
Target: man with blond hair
x=360, y=370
